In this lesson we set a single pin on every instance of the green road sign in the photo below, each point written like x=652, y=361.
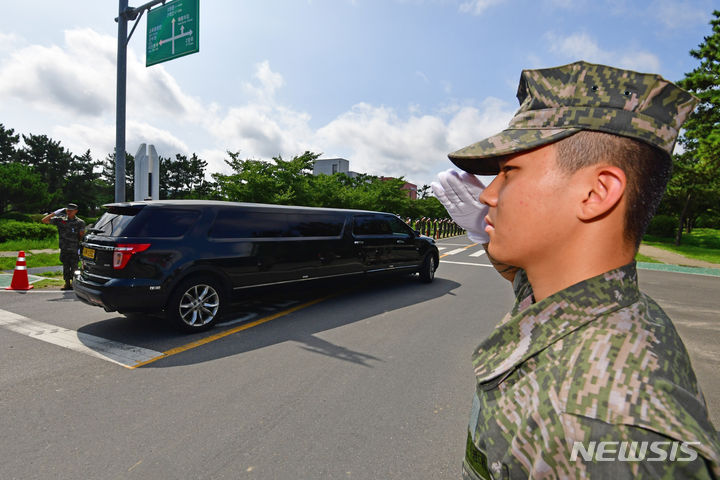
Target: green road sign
x=172, y=31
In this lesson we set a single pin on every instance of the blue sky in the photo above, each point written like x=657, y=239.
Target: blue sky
x=391, y=85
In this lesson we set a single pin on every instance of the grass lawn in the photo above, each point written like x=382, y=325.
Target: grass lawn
x=25, y=245
x=643, y=258
x=701, y=244
x=50, y=282
x=36, y=260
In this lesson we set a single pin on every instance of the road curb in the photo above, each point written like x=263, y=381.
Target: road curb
x=662, y=267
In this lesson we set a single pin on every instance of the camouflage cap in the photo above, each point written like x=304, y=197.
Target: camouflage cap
x=71, y=206
x=560, y=101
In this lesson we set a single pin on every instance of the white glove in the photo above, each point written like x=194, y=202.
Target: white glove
x=59, y=211
x=459, y=193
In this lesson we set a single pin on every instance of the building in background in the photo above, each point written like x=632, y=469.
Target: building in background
x=330, y=166
x=410, y=187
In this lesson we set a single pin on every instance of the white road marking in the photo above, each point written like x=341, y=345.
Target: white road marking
x=119, y=353
x=455, y=244
x=466, y=263
x=479, y=253
x=457, y=250
x=441, y=248
x=244, y=318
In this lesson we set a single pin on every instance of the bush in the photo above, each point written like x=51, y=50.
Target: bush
x=708, y=220
x=662, y=226
x=20, y=217
x=14, y=230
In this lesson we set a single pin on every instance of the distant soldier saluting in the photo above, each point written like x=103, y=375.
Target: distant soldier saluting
x=70, y=231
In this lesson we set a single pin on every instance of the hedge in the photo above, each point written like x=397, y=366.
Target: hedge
x=662, y=226
x=14, y=230
x=20, y=217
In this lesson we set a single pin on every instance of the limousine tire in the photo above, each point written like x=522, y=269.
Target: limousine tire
x=196, y=304
x=427, y=269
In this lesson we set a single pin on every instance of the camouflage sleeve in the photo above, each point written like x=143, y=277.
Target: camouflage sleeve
x=630, y=452
x=55, y=220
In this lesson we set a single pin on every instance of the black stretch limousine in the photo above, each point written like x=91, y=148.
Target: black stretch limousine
x=185, y=258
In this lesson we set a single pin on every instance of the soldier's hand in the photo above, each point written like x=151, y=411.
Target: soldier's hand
x=459, y=193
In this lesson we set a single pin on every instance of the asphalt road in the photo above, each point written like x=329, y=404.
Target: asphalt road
x=373, y=381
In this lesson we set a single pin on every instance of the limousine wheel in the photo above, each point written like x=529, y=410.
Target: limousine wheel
x=427, y=270
x=196, y=304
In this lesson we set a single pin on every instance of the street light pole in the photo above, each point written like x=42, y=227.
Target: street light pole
x=125, y=14
x=120, y=102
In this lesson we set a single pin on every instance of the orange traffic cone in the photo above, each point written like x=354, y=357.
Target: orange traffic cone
x=20, y=276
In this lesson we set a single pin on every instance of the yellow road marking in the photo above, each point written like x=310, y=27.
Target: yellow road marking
x=469, y=246
x=217, y=336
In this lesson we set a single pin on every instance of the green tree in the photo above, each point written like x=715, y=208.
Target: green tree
x=278, y=182
x=694, y=183
x=107, y=177
x=8, y=144
x=83, y=184
x=21, y=189
x=49, y=159
x=183, y=177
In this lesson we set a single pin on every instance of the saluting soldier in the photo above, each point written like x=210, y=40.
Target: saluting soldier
x=586, y=377
x=70, y=231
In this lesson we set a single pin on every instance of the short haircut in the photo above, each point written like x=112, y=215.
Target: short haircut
x=647, y=169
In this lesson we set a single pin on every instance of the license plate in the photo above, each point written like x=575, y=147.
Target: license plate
x=88, y=253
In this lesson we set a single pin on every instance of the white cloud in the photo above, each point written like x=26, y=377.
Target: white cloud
x=9, y=42
x=680, y=14
x=581, y=46
x=477, y=7
x=73, y=78
x=100, y=139
x=380, y=142
x=269, y=82
x=73, y=88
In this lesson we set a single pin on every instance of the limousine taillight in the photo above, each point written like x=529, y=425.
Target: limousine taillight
x=123, y=251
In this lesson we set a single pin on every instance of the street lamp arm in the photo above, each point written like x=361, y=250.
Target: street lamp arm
x=131, y=13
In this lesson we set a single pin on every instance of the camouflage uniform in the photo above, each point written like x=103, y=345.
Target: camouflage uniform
x=69, y=235
x=598, y=361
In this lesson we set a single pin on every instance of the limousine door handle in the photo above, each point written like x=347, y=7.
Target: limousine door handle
x=359, y=242
x=401, y=241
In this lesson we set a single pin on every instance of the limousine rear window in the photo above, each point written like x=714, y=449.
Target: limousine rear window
x=115, y=220
x=243, y=224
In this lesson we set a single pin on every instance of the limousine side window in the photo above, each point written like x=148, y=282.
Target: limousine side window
x=162, y=222
x=371, y=225
x=244, y=224
x=399, y=228
x=315, y=225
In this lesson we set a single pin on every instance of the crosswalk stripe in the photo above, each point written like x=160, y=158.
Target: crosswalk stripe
x=467, y=263
x=456, y=251
x=119, y=353
x=479, y=253
x=441, y=248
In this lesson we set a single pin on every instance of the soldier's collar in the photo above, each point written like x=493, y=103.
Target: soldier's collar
x=525, y=332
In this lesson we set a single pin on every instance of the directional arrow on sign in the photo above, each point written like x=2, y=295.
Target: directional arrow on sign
x=174, y=37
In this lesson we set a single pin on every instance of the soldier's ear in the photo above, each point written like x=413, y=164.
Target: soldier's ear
x=603, y=187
